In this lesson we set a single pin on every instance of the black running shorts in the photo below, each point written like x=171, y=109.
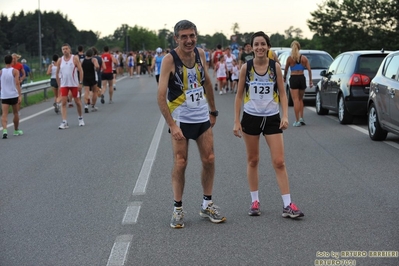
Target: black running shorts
x=255, y=125
x=298, y=82
x=193, y=131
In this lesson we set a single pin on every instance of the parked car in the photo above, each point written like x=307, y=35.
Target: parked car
x=280, y=50
x=383, y=102
x=319, y=60
x=345, y=85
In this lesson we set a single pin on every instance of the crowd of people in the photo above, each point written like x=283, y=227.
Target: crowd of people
x=186, y=101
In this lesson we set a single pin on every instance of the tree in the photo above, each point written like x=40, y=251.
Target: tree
x=356, y=24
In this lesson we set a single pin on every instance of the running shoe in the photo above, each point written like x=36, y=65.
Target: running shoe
x=94, y=109
x=302, y=121
x=86, y=109
x=212, y=212
x=55, y=108
x=292, y=211
x=63, y=125
x=18, y=132
x=110, y=101
x=216, y=87
x=5, y=135
x=102, y=99
x=81, y=122
x=296, y=124
x=255, y=209
x=177, y=218
x=220, y=92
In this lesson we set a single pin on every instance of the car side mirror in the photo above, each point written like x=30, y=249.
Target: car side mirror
x=323, y=73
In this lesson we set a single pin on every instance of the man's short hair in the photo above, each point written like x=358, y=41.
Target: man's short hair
x=66, y=44
x=80, y=48
x=106, y=48
x=89, y=53
x=184, y=25
x=7, y=59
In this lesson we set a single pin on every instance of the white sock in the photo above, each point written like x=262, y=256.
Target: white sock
x=286, y=199
x=205, y=203
x=254, y=196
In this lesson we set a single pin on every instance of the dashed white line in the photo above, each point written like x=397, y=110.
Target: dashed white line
x=120, y=250
x=131, y=213
x=362, y=130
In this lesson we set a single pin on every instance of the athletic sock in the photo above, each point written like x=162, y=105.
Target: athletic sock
x=206, y=200
x=286, y=199
x=254, y=195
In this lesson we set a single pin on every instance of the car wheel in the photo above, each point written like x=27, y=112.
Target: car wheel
x=344, y=116
x=290, y=101
x=319, y=108
x=375, y=130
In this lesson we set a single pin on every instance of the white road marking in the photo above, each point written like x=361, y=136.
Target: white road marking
x=132, y=213
x=361, y=130
x=145, y=172
x=120, y=250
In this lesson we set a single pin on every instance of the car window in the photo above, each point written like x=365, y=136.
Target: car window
x=369, y=64
x=342, y=65
x=334, y=64
x=319, y=61
x=392, y=68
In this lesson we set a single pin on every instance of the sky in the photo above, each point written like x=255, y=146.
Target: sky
x=210, y=16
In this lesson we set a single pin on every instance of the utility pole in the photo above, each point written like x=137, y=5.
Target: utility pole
x=40, y=40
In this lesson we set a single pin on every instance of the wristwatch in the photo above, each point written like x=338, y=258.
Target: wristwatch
x=214, y=113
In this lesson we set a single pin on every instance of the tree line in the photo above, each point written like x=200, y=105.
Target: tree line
x=338, y=26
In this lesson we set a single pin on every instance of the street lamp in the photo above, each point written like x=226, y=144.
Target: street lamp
x=40, y=39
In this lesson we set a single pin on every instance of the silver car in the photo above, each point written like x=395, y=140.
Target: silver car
x=383, y=103
x=318, y=60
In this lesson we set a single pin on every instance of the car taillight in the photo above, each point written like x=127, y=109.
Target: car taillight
x=359, y=80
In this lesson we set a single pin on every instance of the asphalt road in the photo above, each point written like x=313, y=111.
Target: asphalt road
x=101, y=194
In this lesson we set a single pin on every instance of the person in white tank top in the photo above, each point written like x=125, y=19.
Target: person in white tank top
x=52, y=70
x=221, y=74
x=257, y=79
x=10, y=95
x=68, y=67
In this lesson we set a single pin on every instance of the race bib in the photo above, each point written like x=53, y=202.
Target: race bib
x=195, y=97
x=259, y=90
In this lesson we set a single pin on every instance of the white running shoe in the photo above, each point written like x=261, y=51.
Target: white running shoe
x=81, y=122
x=63, y=125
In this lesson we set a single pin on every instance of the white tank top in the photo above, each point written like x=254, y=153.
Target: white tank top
x=221, y=72
x=8, y=88
x=53, y=70
x=68, y=73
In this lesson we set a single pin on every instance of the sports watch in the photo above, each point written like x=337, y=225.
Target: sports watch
x=214, y=113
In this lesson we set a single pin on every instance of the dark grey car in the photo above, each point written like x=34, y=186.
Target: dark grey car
x=344, y=87
x=383, y=103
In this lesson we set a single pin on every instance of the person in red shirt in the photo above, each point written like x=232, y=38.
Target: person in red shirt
x=18, y=66
x=107, y=75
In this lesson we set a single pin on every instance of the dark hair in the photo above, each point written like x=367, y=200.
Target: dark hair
x=95, y=51
x=184, y=25
x=80, y=48
x=89, y=53
x=55, y=57
x=8, y=59
x=219, y=46
x=260, y=34
x=106, y=48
